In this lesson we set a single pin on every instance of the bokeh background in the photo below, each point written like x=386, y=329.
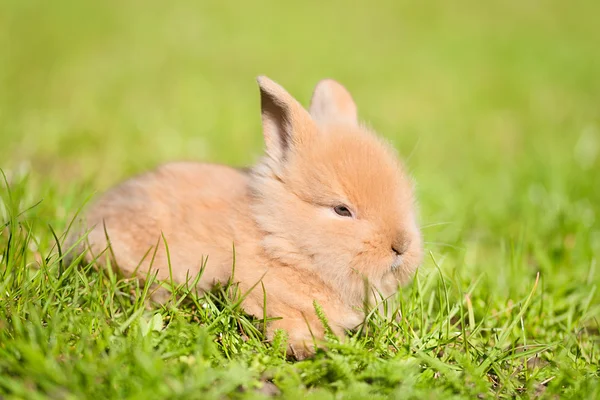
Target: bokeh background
x=495, y=105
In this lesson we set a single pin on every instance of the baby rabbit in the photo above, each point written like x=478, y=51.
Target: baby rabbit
x=328, y=208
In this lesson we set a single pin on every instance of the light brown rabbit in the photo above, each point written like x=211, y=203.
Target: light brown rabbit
x=327, y=208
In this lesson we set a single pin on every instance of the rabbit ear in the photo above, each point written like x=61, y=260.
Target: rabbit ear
x=332, y=102
x=285, y=122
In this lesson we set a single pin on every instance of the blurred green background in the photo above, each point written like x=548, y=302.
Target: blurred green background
x=495, y=105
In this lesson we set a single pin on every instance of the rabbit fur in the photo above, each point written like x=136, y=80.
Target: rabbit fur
x=329, y=207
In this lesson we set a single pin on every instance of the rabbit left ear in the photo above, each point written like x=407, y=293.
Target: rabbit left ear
x=286, y=124
x=331, y=102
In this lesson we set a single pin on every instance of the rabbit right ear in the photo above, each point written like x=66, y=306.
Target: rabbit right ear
x=332, y=102
x=286, y=124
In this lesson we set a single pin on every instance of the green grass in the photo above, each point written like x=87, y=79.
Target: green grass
x=494, y=104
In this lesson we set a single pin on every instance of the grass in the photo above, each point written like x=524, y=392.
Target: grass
x=494, y=104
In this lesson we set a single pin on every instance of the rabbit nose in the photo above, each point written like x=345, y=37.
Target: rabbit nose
x=399, y=247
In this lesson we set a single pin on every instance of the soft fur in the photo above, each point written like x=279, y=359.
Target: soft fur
x=279, y=215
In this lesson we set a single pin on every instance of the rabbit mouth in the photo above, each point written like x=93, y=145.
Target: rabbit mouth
x=396, y=263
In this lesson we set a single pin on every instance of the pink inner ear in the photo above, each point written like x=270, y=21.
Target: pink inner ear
x=276, y=124
x=331, y=102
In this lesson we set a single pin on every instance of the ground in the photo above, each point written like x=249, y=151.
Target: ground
x=494, y=105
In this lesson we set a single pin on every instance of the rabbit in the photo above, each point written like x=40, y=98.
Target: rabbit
x=328, y=207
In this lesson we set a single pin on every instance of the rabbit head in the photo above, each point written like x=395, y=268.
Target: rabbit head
x=332, y=197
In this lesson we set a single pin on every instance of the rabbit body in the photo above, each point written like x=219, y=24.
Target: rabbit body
x=327, y=209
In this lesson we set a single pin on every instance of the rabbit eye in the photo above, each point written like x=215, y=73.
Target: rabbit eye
x=342, y=211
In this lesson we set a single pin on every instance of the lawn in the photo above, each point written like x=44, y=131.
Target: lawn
x=495, y=107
